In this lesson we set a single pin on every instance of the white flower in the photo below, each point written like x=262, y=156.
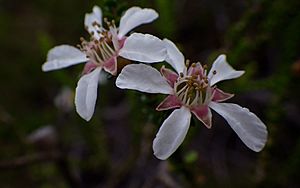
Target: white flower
x=102, y=50
x=192, y=91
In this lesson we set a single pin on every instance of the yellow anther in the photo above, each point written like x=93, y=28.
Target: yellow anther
x=94, y=23
x=187, y=63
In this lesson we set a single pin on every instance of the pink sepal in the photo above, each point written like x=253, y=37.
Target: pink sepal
x=89, y=67
x=169, y=102
x=220, y=96
x=121, y=42
x=196, y=70
x=169, y=75
x=203, y=113
x=111, y=66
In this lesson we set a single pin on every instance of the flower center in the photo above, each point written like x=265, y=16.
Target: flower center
x=103, y=44
x=193, y=87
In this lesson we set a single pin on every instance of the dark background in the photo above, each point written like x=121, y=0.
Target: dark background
x=44, y=143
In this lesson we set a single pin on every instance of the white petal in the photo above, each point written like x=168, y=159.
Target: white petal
x=86, y=94
x=251, y=130
x=63, y=56
x=223, y=71
x=134, y=17
x=143, y=78
x=172, y=133
x=174, y=56
x=90, y=18
x=144, y=48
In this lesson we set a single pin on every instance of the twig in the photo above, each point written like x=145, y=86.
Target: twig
x=30, y=159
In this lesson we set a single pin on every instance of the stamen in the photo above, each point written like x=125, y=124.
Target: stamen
x=192, y=88
x=187, y=63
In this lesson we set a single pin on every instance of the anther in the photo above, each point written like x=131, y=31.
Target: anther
x=81, y=39
x=94, y=23
x=194, y=65
x=205, y=66
x=187, y=63
x=105, y=20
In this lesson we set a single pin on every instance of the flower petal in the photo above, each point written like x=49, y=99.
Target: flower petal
x=174, y=56
x=91, y=18
x=220, y=96
x=134, y=17
x=143, y=78
x=247, y=125
x=203, y=114
x=169, y=102
x=63, y=56
x=144, y=48
x=169, y=75
x=221, y=70
x=172, y=133
x=86, y=94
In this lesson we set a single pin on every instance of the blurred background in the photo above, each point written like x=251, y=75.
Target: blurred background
x=44, y=143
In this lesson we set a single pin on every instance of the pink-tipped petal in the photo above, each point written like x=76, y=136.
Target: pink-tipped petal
x=111, y=66
x=203, y=113
x=220, y=96
x=168, y=103
x=169, y=75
